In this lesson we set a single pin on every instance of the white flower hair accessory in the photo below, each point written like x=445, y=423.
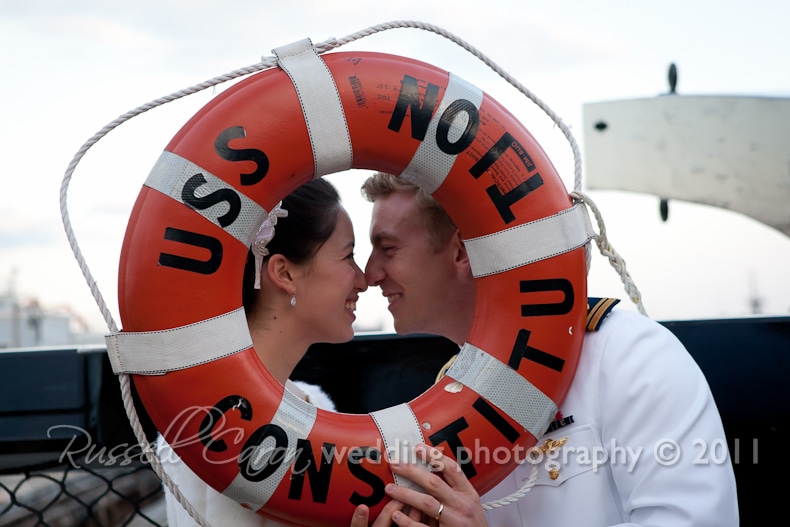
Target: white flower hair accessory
x=263, y=237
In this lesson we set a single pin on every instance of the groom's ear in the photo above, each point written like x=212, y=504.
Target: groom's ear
x=461, y=256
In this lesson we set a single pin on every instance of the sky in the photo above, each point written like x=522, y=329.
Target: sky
x=70, y=68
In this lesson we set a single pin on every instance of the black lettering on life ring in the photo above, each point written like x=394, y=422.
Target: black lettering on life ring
x=496, y=151
x=446, y=121
x=485, y=409
x=449, y=435
x=276, y=454
x=305, y=466
x=213, y=245
x=522, y=350
x=502, y=202
x=218, y=196
x=409, y=98
x=357, y=469
x=561, y=285
x=223, y=150
x=215, y=415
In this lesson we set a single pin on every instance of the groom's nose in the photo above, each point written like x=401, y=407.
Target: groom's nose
x=374, y=272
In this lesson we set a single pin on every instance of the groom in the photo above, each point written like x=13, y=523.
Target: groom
x=636, y=389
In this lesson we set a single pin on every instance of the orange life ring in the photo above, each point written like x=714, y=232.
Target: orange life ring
x=185, y=342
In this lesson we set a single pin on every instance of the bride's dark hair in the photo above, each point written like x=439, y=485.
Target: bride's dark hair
x=312, y=217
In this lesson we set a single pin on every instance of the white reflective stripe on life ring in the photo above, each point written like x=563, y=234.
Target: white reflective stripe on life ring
x=158, y=352
x=296, y=418
x=530, y=242
x=320, y=102
x=400, y=432
x=170, y=176
x=429, y=166
x=487, y=376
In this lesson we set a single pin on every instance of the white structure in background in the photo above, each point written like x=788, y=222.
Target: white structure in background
x=28, y=325
x=727, y=151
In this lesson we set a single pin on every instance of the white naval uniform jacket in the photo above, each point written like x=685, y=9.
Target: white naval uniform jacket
x=637, y=401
